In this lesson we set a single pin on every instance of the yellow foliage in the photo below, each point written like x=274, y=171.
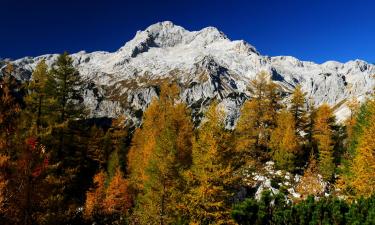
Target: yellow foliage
x=363, y=166
x=284, y=141
x=350, y=122
x=258, y=118
x=323, y=135
x=210, y=174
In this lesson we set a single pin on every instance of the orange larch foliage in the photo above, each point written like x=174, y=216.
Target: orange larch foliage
x=95, y=196
x=117, y=199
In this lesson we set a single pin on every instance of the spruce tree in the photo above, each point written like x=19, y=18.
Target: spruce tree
x=67, y=144
x=65, y=86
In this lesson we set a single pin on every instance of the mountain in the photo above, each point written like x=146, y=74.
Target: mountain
x=207, y=65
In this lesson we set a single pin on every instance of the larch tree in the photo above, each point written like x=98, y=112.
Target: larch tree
x=323, y=135
x=162, y=191
x=210, y=176
x=95, y=197
x=353, y=105
x=65, y=85
x=258, y=118
x=298, y=109
x=311, y=183
x=143, y=144
x=9, y=109
x=284, y=142
x=5, y=192
x=168, y=129
x=117, y=200
x=162, y=111
x=363, y=164
x=36, y=100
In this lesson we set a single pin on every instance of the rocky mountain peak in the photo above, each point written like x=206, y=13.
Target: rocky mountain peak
x=207, y=65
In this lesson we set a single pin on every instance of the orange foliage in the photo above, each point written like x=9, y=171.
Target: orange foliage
x=117, y=199
x=95, y=196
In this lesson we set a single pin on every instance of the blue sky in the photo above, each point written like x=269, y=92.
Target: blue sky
x=313, y=30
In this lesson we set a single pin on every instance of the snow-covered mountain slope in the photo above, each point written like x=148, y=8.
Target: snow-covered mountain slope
x=207, y=65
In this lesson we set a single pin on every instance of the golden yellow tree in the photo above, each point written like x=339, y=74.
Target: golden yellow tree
x=323, y=136
x=258, y=118
x=284, y=141
x=207, y=200
x=166, y=108
x=353, y=105
x=363, y=165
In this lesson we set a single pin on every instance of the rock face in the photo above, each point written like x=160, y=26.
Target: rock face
x=208, y=66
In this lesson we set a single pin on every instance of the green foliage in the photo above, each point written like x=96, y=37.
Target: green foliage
x=273, y=209
x=37, y=101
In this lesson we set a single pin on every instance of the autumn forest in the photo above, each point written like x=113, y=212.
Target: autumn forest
x=60, y=166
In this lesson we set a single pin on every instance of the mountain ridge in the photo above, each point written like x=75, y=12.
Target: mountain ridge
x=208, y=65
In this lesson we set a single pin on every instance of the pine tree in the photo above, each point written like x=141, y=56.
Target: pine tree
x=210, y=176
x=323, y=135
x=298, y=109
x=284, y=142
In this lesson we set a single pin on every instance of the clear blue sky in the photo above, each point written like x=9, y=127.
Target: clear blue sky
x=313, y=30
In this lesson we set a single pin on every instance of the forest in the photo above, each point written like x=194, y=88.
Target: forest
x=59, y=166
